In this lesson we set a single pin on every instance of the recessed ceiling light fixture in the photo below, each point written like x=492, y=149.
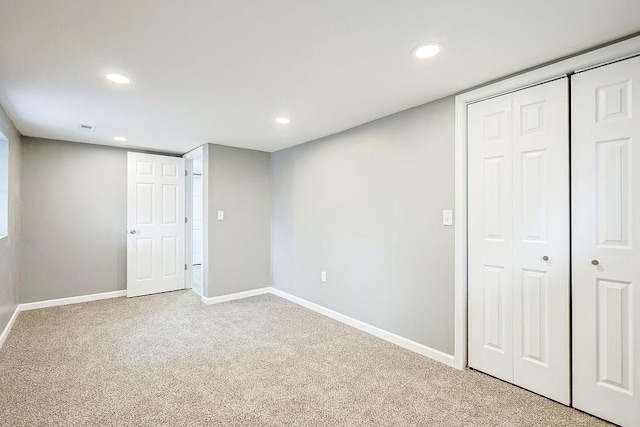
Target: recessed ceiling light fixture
x=283, y=120
x=119, y=78
x=427, y=50
x=120, y=138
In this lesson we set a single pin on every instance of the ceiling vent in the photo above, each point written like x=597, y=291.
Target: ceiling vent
x=88, y=128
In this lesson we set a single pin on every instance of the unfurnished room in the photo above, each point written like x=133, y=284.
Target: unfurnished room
x=320, y=213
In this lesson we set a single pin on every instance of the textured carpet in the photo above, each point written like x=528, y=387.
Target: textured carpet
x=168, y=360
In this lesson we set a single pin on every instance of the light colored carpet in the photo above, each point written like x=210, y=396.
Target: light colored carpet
x=168, y=360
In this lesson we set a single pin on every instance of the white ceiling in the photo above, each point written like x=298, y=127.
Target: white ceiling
x=221, y=70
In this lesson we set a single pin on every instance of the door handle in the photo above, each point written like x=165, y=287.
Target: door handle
x=595, y=262
x=132, y=231
x=545, y=258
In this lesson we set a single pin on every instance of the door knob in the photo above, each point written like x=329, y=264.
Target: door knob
x=545, y=258
x=595, y=262
x=132, y=231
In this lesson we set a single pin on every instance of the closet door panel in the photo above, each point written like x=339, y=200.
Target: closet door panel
x=490, y=237
x=606, y=240
x=518, y=147
x=541, y=240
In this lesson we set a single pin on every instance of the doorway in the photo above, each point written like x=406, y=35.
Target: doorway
x=195, y=221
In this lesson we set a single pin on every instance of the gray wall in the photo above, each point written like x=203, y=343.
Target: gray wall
x=239, y=185
x=74, y=219
x=10, y=245
x=366, y=205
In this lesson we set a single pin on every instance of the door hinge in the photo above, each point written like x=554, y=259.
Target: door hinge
x=185, y=219
x=186, y=173
x=185, y=266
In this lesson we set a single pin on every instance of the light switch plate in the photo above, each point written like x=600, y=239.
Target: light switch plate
x=323, y=276
x=220, y=215
x=447, y=217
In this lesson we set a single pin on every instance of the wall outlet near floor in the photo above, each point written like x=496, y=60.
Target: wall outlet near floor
x=220, y=215
x=323, y=276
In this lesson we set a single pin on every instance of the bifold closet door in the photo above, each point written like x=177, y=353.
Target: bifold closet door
x=490, y=217
x=606, y=241
x=518, y=276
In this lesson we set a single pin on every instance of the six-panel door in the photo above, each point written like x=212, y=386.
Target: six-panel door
x=155, y=224
x=541, y=253
x=490, y=217
x=606, y=240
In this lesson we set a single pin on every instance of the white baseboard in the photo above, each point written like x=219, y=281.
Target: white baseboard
x=70, y=300
x=232, y=297
x=7, y=328
x=432, y=353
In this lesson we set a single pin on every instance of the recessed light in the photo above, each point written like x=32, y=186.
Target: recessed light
x=119, y=78
x=120, y=138
x=427, y=50
x=283, y=120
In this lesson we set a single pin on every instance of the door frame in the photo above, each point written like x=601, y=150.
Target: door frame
x=202, y=151
x=582, y=61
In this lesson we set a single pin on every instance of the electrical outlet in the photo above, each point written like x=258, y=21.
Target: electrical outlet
x=220, y=215
x=323, y=276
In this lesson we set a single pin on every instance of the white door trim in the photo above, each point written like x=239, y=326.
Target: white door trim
x=549, y=72
x=203, y=151
x=188, y=213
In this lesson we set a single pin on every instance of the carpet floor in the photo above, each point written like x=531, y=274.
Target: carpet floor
x=168, y=360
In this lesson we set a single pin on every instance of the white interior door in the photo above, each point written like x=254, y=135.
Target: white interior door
x=490, y=217
x=519, y=238
x=606, y=240
x=541, y=236
x=156, y=224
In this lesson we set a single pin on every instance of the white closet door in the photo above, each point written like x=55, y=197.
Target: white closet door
x=606, y=241
x=541, y=253
x=490, y=219
x=518, y=147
